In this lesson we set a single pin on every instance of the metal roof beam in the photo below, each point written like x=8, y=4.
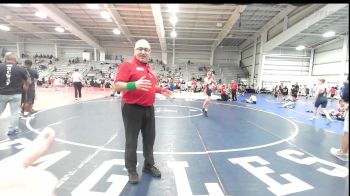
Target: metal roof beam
x=228, y=26
x=25, y=26
x=302, y=25
x=120, y=23
x=158, y=20
x=274, y=21
x=9, y=36
x=62, y=19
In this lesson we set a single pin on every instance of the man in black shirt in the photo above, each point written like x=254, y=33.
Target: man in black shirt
x=29, y=96
x=13, y=80
x=295, y=90
x=284, y=92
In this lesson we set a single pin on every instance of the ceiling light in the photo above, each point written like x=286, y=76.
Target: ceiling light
x=13, y=5
x=300, y=47
x=59, y=29
x=173, y=34
x=173, y=7
x=105, y=15
x=173, y=20
x=219, y=24
x=93, y=6
x=329, y=34
x=4, y=28
x=40, y=14
x=116, y=31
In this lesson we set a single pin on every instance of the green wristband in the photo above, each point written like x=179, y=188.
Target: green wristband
x=131, y=86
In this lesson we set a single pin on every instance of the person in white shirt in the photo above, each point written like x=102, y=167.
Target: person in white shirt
x=77, y=79
x=252, y=99
x=313, y=90
x=56, y=83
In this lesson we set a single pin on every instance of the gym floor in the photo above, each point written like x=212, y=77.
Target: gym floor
x=240, y=149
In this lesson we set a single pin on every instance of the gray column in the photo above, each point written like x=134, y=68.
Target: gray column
x=173, y=51
x=344, y=64
x=252, y=74
x=20, y=49
x=311, y=61
x=102, y=56
x=261, y=59
x=285, y=23
x=56, y=51
x=212, y=57
x=165, y=57
x=95, y=54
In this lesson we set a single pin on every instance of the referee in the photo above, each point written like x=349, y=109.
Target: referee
x=137, y=82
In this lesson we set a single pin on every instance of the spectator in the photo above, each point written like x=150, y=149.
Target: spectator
x=234, y=87
x=333, y=91
x=295, y=90
x=224, y=93
x=307, y=91
x=313, y=90
x=77, y=79
x=29, y=96
x=339, y=114
x=290, y=103
x=13, y=80
x=343, y=152
x=252, y=99
x=171, y=86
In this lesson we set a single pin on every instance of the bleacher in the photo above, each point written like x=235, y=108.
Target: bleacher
x=64, y=70
x=229, y=72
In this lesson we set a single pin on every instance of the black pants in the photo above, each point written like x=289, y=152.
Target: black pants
x=77, y=89
x=136, y=118
x=234, y=97
x=224, y=97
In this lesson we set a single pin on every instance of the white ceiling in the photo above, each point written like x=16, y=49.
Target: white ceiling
x=198, y=26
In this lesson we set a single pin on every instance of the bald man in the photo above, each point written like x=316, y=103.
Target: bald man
x=138, y=84
x=13, y=80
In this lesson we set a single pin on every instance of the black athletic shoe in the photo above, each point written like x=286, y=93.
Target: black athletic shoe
x=133, y=178
x=205, y=113
x=153, y=171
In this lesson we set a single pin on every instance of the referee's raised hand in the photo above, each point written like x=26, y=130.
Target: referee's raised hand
x=143, y=84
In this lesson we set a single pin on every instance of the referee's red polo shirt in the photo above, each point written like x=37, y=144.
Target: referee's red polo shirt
x=234, y=85
x=131, y=71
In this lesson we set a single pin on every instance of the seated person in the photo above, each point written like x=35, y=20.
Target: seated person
x=252, y=99
x=290, y=103
x=224, y=96
x=340, y=113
